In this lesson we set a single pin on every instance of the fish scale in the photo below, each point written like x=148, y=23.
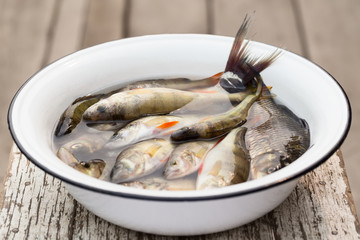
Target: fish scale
x=278, y=138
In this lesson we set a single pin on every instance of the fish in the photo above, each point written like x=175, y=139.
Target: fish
x=92, y=168
x=277, y=137
x=187, y=158
x=174, y=83
x=218, y=125
x=143, y=129
x=72, y=115
x=228, y=163
x=237, y=74
x=141, y=159
x=110, y=126
x=137, y=103
x=161, y=184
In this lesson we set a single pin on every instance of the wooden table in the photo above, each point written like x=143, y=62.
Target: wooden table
x=35, y=205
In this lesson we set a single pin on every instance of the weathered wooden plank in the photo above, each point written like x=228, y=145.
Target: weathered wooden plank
x=104, y=22
x=162, y=16
x=23, y=32
x=333, y=37
x=36, y=204
x=273, y=21
x=67, y=30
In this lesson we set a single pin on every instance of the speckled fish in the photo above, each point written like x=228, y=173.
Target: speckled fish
x=161, y=184
x=137, y=103
x=220, y=124
x=133, y=104
x=92, y=168
x=72, y=116
x=187, y=159
x=174, y=83
x=142, y=129
x=226, y=164
x=277, y=138
x=141, y=159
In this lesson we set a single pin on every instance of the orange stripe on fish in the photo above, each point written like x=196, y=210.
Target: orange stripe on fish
x=167, y=125
x=222, y=138
x=217, y=76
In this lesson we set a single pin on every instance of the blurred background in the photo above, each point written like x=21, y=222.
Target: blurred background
x=37, y=32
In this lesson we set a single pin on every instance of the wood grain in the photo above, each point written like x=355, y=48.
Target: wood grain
x=36, y=204
x=333, y=39
x=273, y=21
x=104, y=22
x=23, y=38
x=162, y=16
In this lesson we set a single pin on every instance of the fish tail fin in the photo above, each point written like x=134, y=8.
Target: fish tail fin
x=238, y=48
x=237, y=74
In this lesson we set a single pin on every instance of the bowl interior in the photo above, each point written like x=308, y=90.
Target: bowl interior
x=304, y=87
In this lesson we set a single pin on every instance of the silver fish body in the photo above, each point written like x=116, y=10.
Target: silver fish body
x=143, y=129
x=187, y=159
x=277, y=137
x=226, y=164
x=141, y=159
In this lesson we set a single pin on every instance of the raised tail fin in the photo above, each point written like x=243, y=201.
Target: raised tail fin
x=237, y=74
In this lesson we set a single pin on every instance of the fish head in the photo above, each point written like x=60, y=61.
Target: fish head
x=179, y=164
x=100, y=111
x=266, y=163
x=93, y=168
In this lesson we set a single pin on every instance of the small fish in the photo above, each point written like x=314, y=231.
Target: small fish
x=93, y=168
x=137, y=103
x=226, y=164
x=237, y=73
x=187, y=159
x=220, y=124
x=72, y=116
x=161, y=184
x=141, y=159
x=143, y=129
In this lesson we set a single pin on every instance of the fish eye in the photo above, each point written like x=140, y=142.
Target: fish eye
x=101, y=109
x=174, y=163
x=271, y=169
x=85, y=164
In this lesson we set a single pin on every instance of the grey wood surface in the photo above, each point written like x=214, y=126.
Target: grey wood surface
x=34, y=33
